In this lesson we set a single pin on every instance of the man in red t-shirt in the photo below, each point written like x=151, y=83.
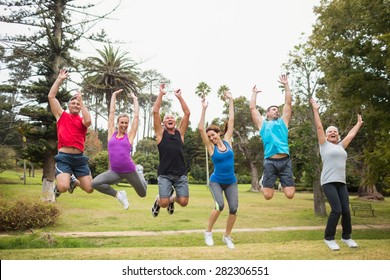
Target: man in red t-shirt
x=71, y=133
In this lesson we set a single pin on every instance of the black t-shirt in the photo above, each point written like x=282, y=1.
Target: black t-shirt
x=171, y=152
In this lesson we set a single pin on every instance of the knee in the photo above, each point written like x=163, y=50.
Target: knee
x=268, y=196
x=233, y=211
x=89, y=190
x=182, y=201
x=164, y=202
x=220, y=207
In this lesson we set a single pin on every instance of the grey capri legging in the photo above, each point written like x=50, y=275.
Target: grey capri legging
x=103, y=182
x=231, y=194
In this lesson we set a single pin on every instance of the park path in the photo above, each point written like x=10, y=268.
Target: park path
x=172, y=232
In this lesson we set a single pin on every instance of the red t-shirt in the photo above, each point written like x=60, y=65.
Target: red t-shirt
x=71, y=131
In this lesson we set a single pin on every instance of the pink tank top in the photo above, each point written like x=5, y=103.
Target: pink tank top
x=119, y=154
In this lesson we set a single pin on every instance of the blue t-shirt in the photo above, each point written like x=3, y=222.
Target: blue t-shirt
x=274, y=134
x=223, y=165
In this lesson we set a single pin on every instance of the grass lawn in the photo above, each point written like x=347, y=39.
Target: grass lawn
x=96, y=212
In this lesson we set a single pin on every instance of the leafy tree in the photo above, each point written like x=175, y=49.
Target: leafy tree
x=202, y=90
x=151, y=80
x=147, y=155
x=305, y=76
x=110, y=71
x=53, y=27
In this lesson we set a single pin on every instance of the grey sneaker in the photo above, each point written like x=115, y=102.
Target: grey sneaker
x=208, y=238
x=350, y=243
x=122, y=197
x=155, y=208
x=228, y=241
x=56, y=192
x=332, y=244
x=72, y=185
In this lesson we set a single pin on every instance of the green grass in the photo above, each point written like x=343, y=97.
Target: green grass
x=96, y=212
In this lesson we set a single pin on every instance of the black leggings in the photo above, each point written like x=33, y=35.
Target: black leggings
x=338, y=197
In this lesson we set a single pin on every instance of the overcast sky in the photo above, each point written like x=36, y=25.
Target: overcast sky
x=237, y=43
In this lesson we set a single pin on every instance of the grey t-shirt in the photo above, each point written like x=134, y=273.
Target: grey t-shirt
x=334, y=158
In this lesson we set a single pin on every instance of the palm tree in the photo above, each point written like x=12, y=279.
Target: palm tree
x=112, y=70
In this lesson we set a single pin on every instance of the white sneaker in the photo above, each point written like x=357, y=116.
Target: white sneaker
x=350, y=243
x=208, y=238
x=122, y=197
x=228, y=241
x=332, y=244
x=140, y=169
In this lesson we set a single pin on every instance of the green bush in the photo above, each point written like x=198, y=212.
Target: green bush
x=23, y=215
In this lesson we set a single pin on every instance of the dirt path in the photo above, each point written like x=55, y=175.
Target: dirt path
x=170, y=232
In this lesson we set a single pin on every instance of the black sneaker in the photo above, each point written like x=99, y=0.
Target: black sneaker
x=72, y=185
x=171, y=208
x=56, y=191
x=155, y=208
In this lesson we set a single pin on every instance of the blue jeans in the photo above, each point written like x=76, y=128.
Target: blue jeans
x=338, y=197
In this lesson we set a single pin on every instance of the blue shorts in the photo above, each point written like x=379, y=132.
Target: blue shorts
x=76, y=164
x=178, y=182
x=278, y=168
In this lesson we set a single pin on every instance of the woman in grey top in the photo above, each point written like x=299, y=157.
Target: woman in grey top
x=333, y=181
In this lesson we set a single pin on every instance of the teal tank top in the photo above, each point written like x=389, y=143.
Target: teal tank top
x=223, y=165
x=274, y=134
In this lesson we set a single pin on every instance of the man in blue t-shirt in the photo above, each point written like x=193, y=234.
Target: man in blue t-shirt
x=274, y=133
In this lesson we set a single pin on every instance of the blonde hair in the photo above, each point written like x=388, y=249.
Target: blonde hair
x=124, y=115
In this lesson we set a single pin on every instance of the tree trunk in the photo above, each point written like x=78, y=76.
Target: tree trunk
x=319, y=197
x=255, y=187
x=48, y=177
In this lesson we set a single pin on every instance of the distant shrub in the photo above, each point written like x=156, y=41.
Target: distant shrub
x=23, y=215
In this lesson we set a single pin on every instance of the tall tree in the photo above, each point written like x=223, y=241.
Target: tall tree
x=52, y=29
x=111, y=70
x=352, y=38
x=306, y=76
x=151, y=81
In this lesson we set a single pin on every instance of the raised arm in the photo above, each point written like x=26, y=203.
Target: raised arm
x=256, y=117
x=134, y=125
x=202, y=131
x=229, y=132
x=287, y=107
x=352, y=133
x=111, y=114
x=55, y=105
x=158, y=129
x=87, y=120
x=186, y=117
x=317, y=121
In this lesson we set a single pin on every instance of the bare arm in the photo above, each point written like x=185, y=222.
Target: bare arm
x=287, y=107
x=55, y=105
x=186, y=117
x=111, y=114
x=352, y=133
x=229, y=132
x=87, y=121
x=134, y=126
x=158, y=129
x=203, y=134
x=317, y=121
x=256, y=117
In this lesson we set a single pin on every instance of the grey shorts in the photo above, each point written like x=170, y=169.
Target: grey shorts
x=278, y=168
x=76, y=164
x=168, y=183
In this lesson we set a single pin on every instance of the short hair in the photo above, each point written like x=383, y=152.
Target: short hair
x=269, y=108
x=73, y=97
